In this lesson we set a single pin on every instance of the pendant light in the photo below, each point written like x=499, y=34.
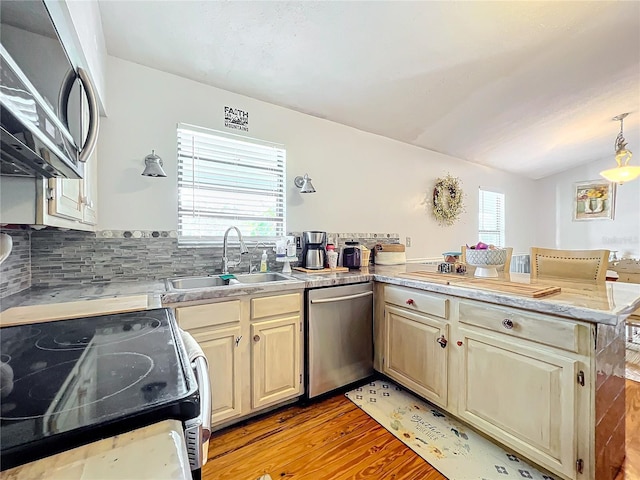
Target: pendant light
x=623, y=172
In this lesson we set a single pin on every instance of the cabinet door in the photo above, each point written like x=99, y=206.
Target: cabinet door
x=66, y=198
x=221, y=346
x=275, y=360
x=523, y=396
x=412, y=354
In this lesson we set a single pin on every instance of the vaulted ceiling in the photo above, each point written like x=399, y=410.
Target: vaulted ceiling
x=527, y=87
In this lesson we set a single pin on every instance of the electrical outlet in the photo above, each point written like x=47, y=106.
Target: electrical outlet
x=298, y=242
x=408, y=242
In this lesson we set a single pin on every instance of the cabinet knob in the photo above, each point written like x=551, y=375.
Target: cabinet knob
x=410, y=301
x=256, y=338
x=507, y=323
x=442, y=341
x=459, y=343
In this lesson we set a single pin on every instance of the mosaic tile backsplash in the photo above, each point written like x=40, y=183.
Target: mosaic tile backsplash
x=69, y=257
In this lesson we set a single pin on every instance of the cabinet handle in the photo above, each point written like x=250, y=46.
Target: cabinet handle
x=507, y=323
x=442, y=341
x=238, y=340
x=256, y=338
x=410, y=302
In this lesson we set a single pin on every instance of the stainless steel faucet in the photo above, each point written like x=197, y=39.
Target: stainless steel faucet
x=225, y=260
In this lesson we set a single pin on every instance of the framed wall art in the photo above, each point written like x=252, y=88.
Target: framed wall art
x=594, y=200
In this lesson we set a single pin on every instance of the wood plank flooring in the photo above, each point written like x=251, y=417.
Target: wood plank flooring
x=332, y=440
x=631, y=470
x=335, y=440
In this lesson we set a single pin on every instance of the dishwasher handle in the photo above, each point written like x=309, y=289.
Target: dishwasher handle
x=338, y=299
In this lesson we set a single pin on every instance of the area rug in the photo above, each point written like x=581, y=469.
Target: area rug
x=452, y=448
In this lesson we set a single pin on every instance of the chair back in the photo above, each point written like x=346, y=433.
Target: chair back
x=504, y=268
x=579, y=264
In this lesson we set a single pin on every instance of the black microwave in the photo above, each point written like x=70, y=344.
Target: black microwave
x=49, y=113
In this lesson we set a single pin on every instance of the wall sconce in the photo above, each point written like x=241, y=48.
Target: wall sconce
x=304, y=184
x=623, y=172
x=153, y=166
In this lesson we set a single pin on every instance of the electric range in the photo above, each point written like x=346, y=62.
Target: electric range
x=70, y=382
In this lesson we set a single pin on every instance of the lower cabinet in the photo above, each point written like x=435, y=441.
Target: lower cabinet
x=220, y=345
x=522, y=378
x=275, y=360
x=253, y=346
x=525, y=397
x=413, y=353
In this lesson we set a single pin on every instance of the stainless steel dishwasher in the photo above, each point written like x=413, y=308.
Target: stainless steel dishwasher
x=339, y=341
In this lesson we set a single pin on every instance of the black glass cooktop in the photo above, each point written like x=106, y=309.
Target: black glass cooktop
x=70, y=382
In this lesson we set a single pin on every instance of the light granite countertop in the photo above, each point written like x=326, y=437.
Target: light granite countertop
x=606, y=302
x=603, y=302
x=45, y=296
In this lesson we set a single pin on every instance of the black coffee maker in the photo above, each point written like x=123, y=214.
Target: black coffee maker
x=313, y=249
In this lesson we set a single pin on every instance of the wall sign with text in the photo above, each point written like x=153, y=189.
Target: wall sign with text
x=236, y=119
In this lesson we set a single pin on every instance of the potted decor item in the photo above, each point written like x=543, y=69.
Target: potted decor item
x=486, y=260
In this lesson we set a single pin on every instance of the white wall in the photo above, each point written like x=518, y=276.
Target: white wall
x=554, y=204
x=364, y=182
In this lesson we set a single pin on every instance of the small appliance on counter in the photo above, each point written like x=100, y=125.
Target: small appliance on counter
x=313, y=249
x=351, y=255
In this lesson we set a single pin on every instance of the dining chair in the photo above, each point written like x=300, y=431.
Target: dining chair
x=504, y=268
x=578, y=264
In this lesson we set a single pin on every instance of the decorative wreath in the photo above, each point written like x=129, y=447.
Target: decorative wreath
x=447, y=200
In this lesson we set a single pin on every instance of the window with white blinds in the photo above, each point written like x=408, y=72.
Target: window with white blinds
x=491, y=218
x=226, y=180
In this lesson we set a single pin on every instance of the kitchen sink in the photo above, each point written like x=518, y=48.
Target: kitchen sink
x=262, y=277
x=189, y=283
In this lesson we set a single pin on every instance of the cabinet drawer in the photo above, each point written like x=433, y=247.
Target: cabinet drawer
x=276, y=305
x=199, y=316
x=416, y=300
x=535, y=327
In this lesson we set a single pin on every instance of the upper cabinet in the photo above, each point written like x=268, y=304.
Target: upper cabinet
x=59, y=202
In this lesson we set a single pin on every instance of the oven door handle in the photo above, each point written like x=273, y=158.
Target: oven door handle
x=204, y=386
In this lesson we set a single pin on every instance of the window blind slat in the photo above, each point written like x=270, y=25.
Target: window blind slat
x=491, y=225
x=226, y=180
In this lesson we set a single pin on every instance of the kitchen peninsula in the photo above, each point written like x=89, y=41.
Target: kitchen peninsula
x=544, y=376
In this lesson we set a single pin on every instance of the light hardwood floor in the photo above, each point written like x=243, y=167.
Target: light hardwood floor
x=335, y=440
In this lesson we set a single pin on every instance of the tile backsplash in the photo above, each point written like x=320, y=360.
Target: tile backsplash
x=61, y=258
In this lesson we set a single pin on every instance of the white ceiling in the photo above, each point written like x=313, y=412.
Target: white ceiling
x=527, y=87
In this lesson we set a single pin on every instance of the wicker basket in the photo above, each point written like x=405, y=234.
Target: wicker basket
x=365, y=254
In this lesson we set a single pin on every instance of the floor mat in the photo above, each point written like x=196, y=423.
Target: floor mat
x=449, y=446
